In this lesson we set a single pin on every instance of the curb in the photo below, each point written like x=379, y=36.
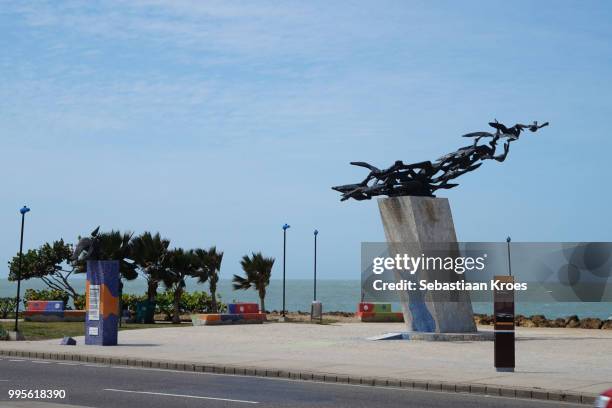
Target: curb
x=420, y=385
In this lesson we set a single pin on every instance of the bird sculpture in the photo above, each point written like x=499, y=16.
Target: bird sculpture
x=88, y=248
x=424, y=178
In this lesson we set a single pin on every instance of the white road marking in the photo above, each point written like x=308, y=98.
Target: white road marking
x=17, y=361
x=148, y=369
x=182, y=396
x=380, y=388
x=41, y=362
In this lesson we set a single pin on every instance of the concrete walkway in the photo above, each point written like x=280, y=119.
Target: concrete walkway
x=572, y=361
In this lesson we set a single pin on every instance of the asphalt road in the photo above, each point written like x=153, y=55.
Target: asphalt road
x=92, y=385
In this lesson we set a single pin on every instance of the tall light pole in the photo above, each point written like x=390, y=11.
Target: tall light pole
x=285, y=228
x=315, y=233
x=23, y=212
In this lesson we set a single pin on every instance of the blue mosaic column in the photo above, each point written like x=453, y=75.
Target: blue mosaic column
x=102, y=303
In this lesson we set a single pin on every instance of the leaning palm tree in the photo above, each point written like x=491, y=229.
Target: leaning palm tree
x=149, y=254
x=257, y=269
x=211, y=262
x=115, y=245
x=180, y=265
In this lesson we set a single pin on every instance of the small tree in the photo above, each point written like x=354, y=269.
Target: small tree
x=211, y=262
x=257, y=269
x=50, y=263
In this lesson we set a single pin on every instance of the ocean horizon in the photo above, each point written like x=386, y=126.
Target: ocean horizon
x=337, y=295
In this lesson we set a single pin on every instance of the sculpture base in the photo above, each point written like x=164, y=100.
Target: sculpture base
x=422, y=336
x=416, y=222
x=102, y=303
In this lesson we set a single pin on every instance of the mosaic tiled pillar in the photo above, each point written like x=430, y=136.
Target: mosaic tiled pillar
x=102, y=303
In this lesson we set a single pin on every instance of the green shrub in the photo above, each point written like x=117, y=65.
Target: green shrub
x=199, y=302
x=164, y=304
x=79, y=302
x=129, y=301
x=3, y=334
x=7, y=305
x=194, y=302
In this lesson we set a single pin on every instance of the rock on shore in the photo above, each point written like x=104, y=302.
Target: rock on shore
x=571, y=322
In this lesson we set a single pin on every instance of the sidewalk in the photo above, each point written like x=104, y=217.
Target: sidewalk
x=550, y=363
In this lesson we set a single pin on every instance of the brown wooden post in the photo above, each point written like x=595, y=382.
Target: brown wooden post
x=503, y=306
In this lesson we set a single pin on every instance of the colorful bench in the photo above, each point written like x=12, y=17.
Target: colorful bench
x=368, y=312
x=239, y=313
x=51, y=311
x=45, y=305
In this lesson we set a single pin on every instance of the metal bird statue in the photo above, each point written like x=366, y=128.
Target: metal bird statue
x=88, y=248
x=424, y=178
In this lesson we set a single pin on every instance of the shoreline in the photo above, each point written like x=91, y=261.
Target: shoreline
x=337, y=295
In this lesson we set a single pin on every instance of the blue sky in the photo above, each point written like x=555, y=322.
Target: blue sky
x=216, y=122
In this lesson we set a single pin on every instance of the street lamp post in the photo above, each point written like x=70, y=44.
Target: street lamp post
x=315, y=264
x=285, y=228
x=23, y=212
x=508, y=240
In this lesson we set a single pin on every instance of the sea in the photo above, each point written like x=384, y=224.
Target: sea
x=336, y=296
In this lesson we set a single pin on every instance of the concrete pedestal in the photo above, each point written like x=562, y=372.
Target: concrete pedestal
x=15, y=336
x=410, y=224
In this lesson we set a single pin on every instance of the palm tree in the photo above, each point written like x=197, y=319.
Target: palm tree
x=257, y=269
x=115, y=245
x=180, y=265
x=149, y=253
x=211, y=262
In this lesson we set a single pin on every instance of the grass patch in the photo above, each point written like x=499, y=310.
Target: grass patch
x=57, y=330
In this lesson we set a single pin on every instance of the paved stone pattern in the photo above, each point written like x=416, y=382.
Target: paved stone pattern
x=557, y=364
